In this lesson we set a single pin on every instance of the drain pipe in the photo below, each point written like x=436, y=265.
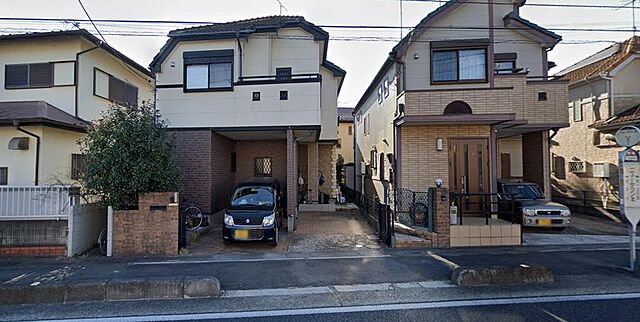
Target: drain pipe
x=17, y=125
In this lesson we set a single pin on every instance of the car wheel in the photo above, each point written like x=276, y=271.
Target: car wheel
x=274, y=242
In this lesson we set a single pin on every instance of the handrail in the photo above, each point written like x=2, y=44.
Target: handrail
x=486, y=204
x=312, y=76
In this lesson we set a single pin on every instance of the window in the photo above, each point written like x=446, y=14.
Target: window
x=373, y=159
x=112, y=88
x=263, y=167
x=366, y=125
x=386, y=87
x=256, y=96
x=78, y=166
x=505, y=67
x=28, y=75
x=208, y=70
x=4, y=176
x=459, y=65
x=339, y=144
x=380, y=94
x=577, y=111
x=283, y=73
x=350, y=130
x=284, y=95
x=233, y=162
x=542, y=96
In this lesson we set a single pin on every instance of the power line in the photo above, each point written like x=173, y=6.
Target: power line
x=88, y=16
x=556, y=5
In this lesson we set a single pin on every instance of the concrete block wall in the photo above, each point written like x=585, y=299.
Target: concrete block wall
x=85, y=225
x=152, y=229
x=33, y=237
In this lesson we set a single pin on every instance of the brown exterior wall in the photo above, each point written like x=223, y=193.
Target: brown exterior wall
x=247, y=151
x=147, y=231
x=535, y=160
x=221, y=174
x=193, y=155
x=421, y=164
x=512, y=95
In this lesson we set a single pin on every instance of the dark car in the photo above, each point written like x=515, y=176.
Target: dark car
x=531, y=208
x=255, y=213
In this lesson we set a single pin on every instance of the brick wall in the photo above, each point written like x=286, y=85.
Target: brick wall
x=194, y=157
x=222, y=177
x=247, y=151
x=327, y=157
x=149, y=230
x=34, y=251
x=535, y=160
x=33, y=238
x=441, y=219
x=421, y=163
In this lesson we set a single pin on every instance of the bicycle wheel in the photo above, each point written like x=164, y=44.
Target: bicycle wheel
x=102, y=242
x=193, y=218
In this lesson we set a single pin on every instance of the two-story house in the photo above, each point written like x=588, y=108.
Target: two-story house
x=345, y=134
x=604, y=95
x=251, y=98
x=52, y=85
x=465, y=98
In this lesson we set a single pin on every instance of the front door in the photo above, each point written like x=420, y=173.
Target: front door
x=469, y=170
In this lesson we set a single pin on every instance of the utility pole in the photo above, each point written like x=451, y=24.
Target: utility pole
x=401, y=20
x=633, y=12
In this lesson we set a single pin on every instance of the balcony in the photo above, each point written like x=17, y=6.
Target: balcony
x=292, y=100
x=514, y=97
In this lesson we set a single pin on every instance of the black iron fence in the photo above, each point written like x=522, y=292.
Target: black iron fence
x=374, y=211
x=484, y=205
x=415, y=208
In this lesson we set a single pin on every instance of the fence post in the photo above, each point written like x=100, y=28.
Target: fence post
x=110, y=231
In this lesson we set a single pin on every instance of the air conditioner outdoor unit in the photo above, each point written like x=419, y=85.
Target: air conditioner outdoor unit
x=577, y=166
x=601, y=169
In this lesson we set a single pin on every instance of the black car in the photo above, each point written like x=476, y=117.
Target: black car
x=256, y=211
x=531, y=208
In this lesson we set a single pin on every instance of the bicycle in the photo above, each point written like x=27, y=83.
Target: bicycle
x=193, y=217
x=102, y=242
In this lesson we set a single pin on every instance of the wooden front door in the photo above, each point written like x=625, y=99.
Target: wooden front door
x=469, y=169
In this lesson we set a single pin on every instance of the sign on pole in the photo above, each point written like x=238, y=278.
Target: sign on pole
x=629, y=170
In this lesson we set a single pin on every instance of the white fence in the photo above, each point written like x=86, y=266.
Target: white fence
x=35, y=202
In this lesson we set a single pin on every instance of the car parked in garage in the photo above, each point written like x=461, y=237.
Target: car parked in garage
x=531, y=208
x=256, y=212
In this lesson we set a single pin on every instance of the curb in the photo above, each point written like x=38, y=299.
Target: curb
x=112, y=290
x=510, y=275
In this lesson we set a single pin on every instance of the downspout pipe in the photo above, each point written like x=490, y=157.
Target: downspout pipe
x=240, y=56
x=76, y=72
x=17, y=125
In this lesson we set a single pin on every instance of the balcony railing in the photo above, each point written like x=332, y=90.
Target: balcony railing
x=276, y=79
x=35, y=202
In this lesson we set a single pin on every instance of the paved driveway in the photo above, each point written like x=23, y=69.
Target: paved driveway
x=315, y=232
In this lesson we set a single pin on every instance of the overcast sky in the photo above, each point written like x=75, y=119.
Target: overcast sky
x=361, y=59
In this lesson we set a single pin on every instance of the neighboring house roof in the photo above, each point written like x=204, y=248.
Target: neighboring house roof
x=38, y=113
x=602, y=64
x=345, y=115
x=240, y=29
x=423, y=25
x=514, y=17
x=82, y=33
x=629, y=116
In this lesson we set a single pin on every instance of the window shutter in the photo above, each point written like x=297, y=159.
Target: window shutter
x=16, y=76
x=131, y=95
x=4, y=176
x=40, y=75
x=116, y=90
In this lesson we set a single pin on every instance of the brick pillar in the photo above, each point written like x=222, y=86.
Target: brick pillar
x=441, y=219
x=312, y=166
x=535, y=160
x=292, y=180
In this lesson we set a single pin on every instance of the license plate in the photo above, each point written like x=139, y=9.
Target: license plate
x=241, y=234
x=544, y=222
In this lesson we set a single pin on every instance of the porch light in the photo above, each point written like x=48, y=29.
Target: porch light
x=439, y=144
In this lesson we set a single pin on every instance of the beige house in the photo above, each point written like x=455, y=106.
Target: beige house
x=604, y=95
x=52, y=85
x=345, y=134
x=467, y=107
x=251, y=98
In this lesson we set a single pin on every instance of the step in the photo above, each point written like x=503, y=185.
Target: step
x=408, y=241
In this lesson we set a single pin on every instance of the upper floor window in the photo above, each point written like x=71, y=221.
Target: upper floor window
x=208, y=70
x=114, y=89
x=380, y=91
x=505, y=63
x=78, y=166
x=386, y=87
x=460, y=65
x=283, y=73
x=4, y=176
x=28, y=75
x=577, y=111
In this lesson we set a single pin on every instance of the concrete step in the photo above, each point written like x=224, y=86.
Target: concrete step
x=408, y=241
x=413, y=230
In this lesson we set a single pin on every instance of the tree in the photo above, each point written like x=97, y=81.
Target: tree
x=339, y=169
x=127, y=152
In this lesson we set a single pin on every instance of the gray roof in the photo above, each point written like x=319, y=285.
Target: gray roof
x=345, y=115
x=38, y=113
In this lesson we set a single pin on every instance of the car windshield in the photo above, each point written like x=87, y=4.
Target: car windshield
x=524, y=191
x=253, y=196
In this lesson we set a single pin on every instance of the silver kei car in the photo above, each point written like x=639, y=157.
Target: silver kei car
x=531, y=208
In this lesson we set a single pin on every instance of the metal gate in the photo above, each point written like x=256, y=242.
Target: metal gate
x=415, y=208
x=374, y=211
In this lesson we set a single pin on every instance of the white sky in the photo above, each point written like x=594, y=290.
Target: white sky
x=361, y=59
